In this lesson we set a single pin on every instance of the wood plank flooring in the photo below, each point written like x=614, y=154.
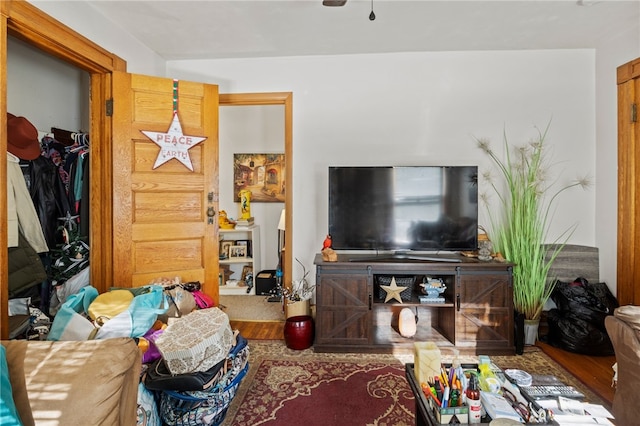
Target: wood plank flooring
x=594, y=371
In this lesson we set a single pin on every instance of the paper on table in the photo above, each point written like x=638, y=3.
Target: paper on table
x=571, y=419
x=594, y=413
x=497, y=407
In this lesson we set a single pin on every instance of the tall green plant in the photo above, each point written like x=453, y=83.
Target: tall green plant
x=521, y=231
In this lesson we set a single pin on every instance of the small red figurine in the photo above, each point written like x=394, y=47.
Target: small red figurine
x=327, y=242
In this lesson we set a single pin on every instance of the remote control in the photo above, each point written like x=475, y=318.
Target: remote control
x=552, y=391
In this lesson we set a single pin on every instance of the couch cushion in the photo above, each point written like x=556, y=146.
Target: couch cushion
x=629, y=314
x=78, y=382
x=8, y=412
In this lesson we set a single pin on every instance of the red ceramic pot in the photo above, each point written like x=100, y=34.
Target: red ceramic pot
x=298, y=332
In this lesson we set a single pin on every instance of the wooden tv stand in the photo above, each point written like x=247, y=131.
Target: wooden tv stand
x=476, y=316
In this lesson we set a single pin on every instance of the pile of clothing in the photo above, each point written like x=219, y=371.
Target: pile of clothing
x=202, y=363
x=193, y=362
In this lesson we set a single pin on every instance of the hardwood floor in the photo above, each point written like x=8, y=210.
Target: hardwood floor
x=594, y=371
x=260, y=330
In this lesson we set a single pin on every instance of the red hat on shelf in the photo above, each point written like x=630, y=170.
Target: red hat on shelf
x=22, y=138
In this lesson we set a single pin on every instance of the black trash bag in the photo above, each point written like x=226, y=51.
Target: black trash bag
x=574, y=334
x=577, y=325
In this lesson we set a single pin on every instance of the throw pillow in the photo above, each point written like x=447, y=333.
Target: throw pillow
x=8, y=413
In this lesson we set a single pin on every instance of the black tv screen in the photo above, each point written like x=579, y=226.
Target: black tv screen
x=421, y=208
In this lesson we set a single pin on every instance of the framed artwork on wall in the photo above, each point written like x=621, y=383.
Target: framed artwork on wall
x=262, y=174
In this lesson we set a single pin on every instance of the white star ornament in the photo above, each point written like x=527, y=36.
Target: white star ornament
x=173, y=144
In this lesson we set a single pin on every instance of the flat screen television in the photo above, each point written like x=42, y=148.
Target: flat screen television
x=400, y=209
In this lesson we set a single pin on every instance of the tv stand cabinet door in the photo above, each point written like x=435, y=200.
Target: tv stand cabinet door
x=343, y=315
x=484, y=317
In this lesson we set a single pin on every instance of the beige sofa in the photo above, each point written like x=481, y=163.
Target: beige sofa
x=624, y=331
x=75, y=383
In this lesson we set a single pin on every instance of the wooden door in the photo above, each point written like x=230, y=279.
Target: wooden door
x=161, y=224
x=628, y=276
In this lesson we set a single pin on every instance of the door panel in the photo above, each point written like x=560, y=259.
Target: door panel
x=485, y=318
x=628, y=267
x=345, y=314
x=161, y=227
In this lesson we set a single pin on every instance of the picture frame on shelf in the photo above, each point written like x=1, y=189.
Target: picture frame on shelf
x=237, y=252
x=246, y=243
x=247, y=270
x=224, y=248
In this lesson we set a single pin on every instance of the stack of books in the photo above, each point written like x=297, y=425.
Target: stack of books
x=244, y=223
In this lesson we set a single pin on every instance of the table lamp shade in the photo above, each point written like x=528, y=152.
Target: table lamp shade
x=281, y=222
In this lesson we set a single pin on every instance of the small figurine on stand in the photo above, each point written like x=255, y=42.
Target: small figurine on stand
x=327, y=242
x=328, y=254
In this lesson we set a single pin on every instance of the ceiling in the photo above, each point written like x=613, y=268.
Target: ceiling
x=185, y=29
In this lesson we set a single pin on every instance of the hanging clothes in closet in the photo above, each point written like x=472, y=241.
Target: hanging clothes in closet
x=77, y=165
x=25, y=236
x=69, y=153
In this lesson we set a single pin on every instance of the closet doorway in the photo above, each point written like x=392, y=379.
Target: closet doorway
x=28, y=24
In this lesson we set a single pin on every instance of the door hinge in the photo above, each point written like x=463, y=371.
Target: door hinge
x=634, y=113
x=109, y=107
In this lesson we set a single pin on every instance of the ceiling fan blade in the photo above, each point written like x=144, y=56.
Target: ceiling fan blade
x=333, y=3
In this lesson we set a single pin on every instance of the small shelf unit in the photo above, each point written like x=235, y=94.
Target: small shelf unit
x=252, y=235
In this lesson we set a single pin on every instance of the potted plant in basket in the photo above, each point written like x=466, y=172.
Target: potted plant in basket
x=520, y=226
x=298, y=297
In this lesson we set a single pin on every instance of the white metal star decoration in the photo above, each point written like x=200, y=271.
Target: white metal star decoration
x=173, y=144
x=393, y=291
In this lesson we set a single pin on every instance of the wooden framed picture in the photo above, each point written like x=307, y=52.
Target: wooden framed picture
x=224, y=248
x=237, y=252
x=247, y=271
x=262, y=174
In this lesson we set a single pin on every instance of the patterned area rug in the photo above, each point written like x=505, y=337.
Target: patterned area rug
x=287, y=387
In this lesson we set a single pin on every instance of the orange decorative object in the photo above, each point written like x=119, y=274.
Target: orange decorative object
x=329, y=255
x=327, y=242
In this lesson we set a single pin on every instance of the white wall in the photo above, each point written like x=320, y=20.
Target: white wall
x=422, y=108
x=365, y=109
x=81, y=17
x=45, y=90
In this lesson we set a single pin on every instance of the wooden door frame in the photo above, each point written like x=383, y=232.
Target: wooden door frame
x=628, y=255
x=24, y=21
x=285, y=99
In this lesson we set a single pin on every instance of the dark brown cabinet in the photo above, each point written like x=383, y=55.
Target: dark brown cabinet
x=476, y=315
x=343, y=303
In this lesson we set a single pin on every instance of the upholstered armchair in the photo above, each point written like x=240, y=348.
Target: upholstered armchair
x=624, y=331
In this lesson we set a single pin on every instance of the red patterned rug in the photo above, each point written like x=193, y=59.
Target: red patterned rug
x=326, y=393
x=287, y=387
